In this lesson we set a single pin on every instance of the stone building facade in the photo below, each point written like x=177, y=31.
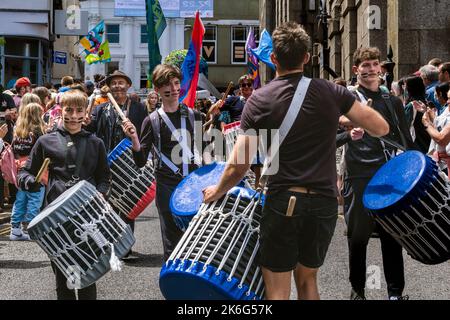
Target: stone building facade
x=416, y=30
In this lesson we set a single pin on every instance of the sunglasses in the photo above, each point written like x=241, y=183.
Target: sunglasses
x=243, y=85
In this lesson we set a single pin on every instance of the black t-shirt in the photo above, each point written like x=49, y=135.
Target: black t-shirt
x=308, y=154
x=163, y=173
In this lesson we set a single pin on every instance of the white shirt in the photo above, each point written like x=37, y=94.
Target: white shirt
x=439, y=123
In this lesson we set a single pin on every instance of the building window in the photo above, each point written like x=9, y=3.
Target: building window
x=112, y=66
x=144, y=34
x=209, y=49
x=113, y=33
x=238, y=38
x=144, y=70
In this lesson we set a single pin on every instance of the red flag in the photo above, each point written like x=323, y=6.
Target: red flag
x=190, y=75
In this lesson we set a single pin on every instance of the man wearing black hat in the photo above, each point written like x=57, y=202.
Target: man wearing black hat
x=106, y=123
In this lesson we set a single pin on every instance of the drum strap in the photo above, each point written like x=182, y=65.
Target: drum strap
x=73, y=166
x=289, y=119
x=158, y=155
x=390, y=106
x=181, y=138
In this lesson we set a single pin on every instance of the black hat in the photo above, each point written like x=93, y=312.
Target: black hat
x=117, y=73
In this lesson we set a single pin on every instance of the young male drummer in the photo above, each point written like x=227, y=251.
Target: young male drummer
x=159, y=131
x=363, y=158
x=64, y=147
x=307, y=167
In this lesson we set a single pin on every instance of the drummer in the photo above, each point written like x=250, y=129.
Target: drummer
x=75, y=155
x=157, y=133
x=363, y=158
x=307, y=169
x=106, y=124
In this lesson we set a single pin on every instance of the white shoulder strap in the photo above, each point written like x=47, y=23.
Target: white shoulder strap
x=286, y=125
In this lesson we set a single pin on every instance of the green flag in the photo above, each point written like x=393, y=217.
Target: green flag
x=156, y=23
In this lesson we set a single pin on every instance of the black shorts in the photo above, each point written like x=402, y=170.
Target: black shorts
x=302, y=238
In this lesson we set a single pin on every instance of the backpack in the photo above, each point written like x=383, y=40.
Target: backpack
x=8, y=165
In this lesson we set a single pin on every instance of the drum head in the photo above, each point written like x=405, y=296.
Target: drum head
x=188, y=195
x=62, y=207
x=394, y=180
x=118, y=150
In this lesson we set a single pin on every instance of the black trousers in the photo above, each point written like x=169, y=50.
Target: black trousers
x=170, y=233
x=360, y=227
x=64, y=293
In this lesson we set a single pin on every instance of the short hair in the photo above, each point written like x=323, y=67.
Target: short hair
x=78, y=86
x=245, y=77
x=442, y=89
x=435, y=62
x=42, y=93
x=445, y=67
x=163, y=73
x=290, y=45
x=364, y=54
x=429, y=72
x=66, y=81
x=74, y=97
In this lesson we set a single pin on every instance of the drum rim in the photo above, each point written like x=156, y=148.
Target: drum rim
x=59, y=201
x=214, y=166
x=118, y=150
x=369, y=196
x=174, y=268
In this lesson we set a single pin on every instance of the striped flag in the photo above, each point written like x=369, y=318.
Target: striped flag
x=191, y=64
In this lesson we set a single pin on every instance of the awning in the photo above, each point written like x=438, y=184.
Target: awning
x=28, y=24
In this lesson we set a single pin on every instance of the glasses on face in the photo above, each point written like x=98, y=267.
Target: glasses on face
x=248, y=85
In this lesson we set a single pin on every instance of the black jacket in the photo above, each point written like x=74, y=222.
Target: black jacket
x=94, y=167
x=365, y=156
x=107, y=125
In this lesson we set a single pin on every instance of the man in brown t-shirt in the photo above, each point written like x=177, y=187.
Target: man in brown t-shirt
x=307, y=167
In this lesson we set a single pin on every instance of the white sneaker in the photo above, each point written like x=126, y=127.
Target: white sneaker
x=17, y=235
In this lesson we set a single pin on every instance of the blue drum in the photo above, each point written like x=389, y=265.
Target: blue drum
x=188, y=195
x=216, y=257
x=410, y=198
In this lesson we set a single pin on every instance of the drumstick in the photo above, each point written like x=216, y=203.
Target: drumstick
x=291, y=206
x=118, y=109
x=224, y=96
x=42, y=169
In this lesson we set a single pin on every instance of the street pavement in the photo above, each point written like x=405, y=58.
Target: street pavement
x=25, y=271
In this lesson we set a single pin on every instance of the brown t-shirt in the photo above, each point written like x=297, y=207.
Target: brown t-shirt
x=307, y=155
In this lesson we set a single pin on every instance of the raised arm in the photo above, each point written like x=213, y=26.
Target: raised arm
x=368, y=119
